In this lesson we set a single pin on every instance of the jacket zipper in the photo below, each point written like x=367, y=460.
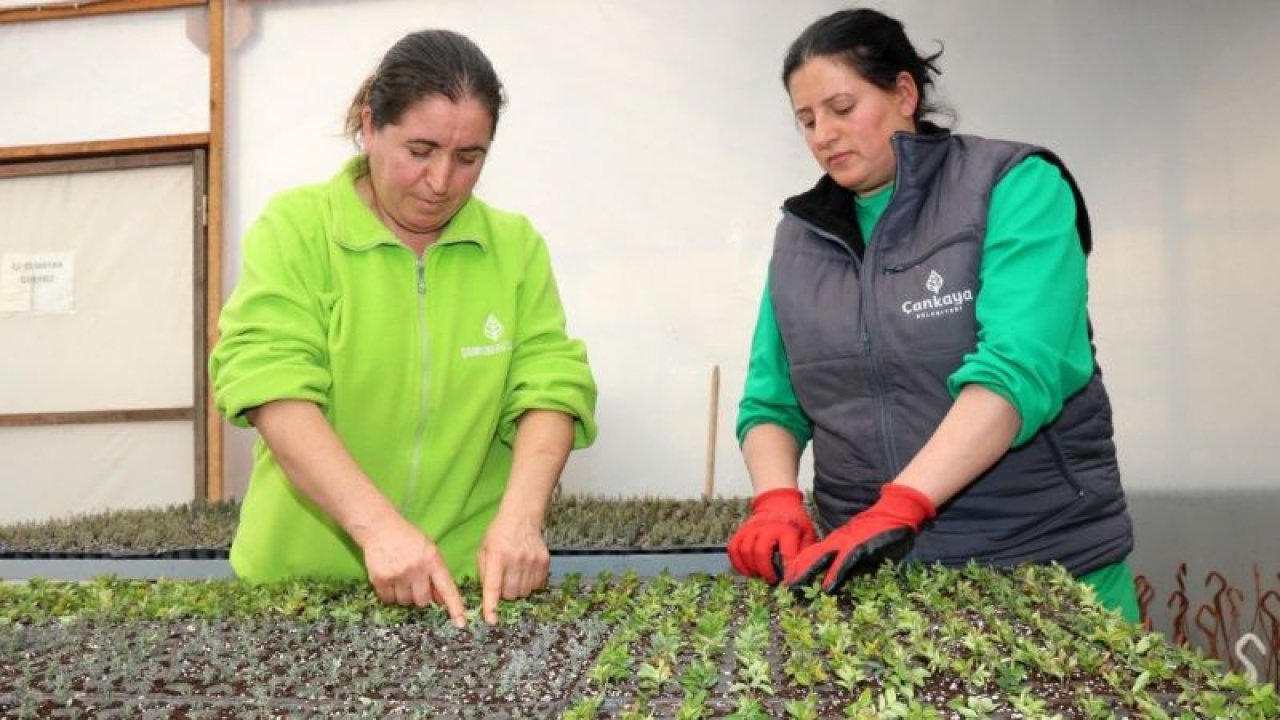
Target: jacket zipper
x=419, y=435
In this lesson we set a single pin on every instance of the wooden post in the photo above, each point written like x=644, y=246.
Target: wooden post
x=213, y=246
x=709, y=482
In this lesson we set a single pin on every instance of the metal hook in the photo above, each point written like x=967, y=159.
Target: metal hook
x=1211, y=635
x=1146, y=593
x=1251, y=671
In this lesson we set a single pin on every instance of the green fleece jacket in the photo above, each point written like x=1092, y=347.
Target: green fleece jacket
x=421, y=365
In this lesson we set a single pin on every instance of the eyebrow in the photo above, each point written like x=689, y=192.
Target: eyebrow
x=436, y=146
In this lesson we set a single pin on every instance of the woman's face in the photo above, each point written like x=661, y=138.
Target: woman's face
x=847, y=121
x=423, y=167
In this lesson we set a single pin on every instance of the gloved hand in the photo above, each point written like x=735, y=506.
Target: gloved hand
x=778, y=522
x=884, y=531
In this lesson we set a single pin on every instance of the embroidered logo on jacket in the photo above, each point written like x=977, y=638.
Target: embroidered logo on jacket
x=493, y=330
x=938, y=303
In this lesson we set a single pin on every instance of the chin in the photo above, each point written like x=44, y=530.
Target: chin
x=847, y=180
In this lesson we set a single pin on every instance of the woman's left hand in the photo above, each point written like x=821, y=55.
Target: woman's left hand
x=513, y=559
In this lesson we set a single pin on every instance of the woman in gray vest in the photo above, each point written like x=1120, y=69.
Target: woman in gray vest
x=924, y=323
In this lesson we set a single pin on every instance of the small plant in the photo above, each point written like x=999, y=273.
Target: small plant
x=802, y=709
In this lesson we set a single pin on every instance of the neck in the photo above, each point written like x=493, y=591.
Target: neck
x=416, y=240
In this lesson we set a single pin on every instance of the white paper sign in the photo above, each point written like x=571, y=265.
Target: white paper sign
x=37, y=282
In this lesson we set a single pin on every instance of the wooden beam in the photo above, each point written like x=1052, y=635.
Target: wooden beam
x=95, y=417
x=199, y=318
x=92, y=163
x=64, y=151
x=213, y=240
x=85, y=8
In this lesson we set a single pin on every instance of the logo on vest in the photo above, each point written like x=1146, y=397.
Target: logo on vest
x=938, y=303
x=493, y=330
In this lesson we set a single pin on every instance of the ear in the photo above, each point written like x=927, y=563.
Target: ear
x=366, y=126
x=908, y=94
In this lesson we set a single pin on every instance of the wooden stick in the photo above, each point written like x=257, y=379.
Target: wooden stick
x=709, y=482
x=214, y=489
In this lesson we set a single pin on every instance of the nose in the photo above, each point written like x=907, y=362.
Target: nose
x=437, y=173
x=824, y=130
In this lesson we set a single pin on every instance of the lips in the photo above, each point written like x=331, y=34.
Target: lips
x=838, y=158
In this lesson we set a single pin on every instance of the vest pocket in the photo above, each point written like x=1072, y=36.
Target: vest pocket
x=925, y=301
x=1061, y=464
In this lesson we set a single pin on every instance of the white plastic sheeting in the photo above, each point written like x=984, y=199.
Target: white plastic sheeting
x=99, y=78
x=58, y=471
x=127, y=345
x=652, y=143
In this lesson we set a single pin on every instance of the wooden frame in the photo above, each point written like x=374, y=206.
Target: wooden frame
x=127, y=155
x=213, y=142
x=62, y=9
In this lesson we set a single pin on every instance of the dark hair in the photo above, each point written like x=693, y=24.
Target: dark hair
x=871, y=43
x=421, y=64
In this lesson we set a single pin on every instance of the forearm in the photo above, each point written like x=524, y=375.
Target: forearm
x=316, y=462
x=772, y=456
x=542, y=444
x=974, y=434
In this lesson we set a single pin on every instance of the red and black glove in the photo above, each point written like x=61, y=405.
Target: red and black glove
x=778, y=522
x=884, y=531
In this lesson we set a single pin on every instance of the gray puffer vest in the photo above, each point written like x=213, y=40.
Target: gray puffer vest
x=873, y=336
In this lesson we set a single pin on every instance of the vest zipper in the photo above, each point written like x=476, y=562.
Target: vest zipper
x=877, y=376
x=419, y=434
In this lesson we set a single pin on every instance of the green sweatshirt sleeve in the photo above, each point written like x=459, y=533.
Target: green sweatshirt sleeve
x=272, y=343
x=768, y=396
x=1033, y=343
x=549, y=370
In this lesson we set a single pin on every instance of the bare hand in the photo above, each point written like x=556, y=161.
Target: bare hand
x=513, y=561
x=406, y=568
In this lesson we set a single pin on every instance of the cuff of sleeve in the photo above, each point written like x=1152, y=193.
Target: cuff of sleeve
x=966, y=376
x=235, y=398
x=584, y=422
x=801, y=435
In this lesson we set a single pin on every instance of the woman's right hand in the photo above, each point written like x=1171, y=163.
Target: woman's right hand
x=406, y=568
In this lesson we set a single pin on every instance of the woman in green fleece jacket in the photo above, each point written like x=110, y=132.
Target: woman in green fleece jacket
x=400, y=347
x=924, y=323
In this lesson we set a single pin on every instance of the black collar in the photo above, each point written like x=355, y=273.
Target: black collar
x=830, y=208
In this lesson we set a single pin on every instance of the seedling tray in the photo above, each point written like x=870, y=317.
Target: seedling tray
x=904, y=642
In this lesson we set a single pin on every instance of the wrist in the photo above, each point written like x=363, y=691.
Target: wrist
x=364, y=527
x=523, y=511
x=908, y=502
x=778, y=498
